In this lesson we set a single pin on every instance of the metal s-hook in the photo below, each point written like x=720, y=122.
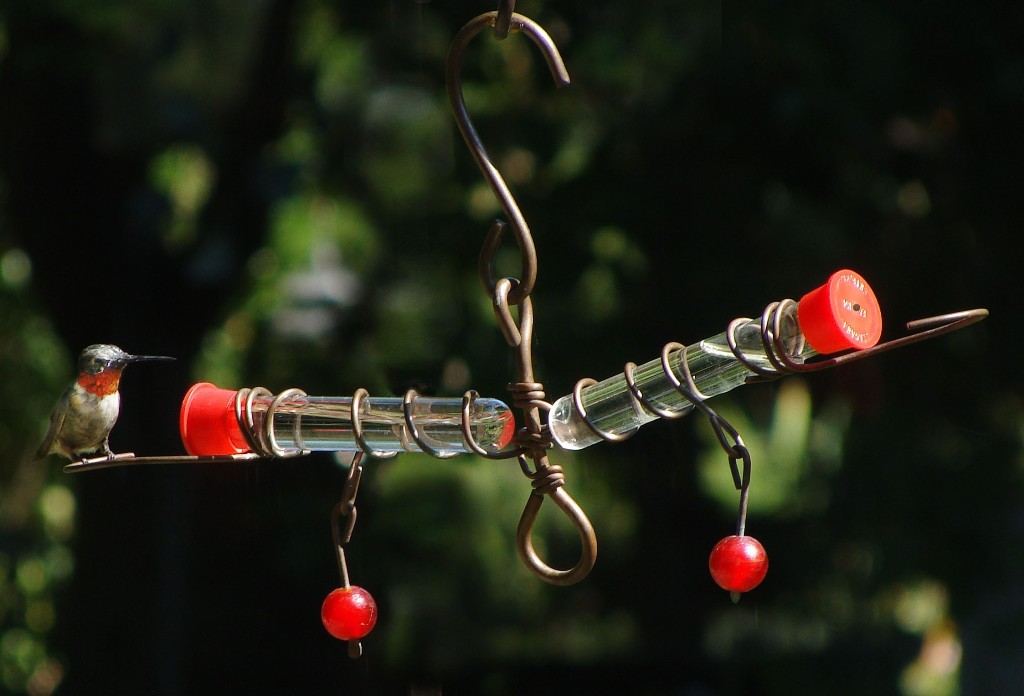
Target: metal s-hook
x=532, y=440
x=453, y=75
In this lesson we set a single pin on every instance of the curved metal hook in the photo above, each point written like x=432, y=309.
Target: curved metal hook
x=453, y=76
x=920, y=330
x=588, y=540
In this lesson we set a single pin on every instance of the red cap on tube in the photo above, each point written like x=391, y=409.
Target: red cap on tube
x=841, y=314
x=208, y=424
x=507, y=430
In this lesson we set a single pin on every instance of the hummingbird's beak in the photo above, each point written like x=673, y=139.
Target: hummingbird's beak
x=148, y=358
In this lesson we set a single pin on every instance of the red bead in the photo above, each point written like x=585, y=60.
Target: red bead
x=738, y=563
x=349, y=613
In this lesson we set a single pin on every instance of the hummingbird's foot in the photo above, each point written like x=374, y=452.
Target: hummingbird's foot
x=111, y=456
x=101, y=456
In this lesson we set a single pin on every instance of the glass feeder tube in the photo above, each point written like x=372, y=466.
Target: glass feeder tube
x=209, y=425
x=840, y=315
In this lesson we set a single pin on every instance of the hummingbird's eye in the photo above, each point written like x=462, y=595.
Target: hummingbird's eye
x=94, y=366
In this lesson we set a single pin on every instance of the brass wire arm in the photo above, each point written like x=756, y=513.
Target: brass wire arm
x=920, y=330
x=130, y=459
x=532, y=440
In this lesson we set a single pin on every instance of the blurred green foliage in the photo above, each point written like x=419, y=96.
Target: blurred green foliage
x=276, y=194
x=37, y=510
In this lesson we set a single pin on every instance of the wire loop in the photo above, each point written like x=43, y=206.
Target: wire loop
x=268, y=431
x=244, y=399
x=690, y=391
x=511, y=329
x=577, y=402
x=549, y=481
x=357, y=426
x=407, y=403
x=470, y=440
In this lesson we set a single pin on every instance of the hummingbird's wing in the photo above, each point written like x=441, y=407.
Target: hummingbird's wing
x=60, y=411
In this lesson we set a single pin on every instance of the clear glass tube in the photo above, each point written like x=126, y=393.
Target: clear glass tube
x=324, y=423
x=609, y=404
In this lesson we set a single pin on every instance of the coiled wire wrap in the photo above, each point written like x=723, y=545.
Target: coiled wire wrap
x=259, y=433
x=260, y=437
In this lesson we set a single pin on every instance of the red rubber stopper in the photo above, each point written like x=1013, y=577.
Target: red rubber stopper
x=508, y=429
x=208, y=424
x=841, y=314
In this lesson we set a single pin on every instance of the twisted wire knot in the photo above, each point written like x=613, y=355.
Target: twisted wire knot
x=547, y=479
x=530, y=441
x=528, y=395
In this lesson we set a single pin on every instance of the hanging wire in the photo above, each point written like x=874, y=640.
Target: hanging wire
x=532, y=440
x=503, y=20
x=343, y=523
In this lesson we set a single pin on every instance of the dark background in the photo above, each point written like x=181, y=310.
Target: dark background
x=175, y=177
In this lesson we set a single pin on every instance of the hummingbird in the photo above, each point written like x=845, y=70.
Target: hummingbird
x=81, y=421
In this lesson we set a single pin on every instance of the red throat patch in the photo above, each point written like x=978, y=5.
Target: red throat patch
x=101, y=384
